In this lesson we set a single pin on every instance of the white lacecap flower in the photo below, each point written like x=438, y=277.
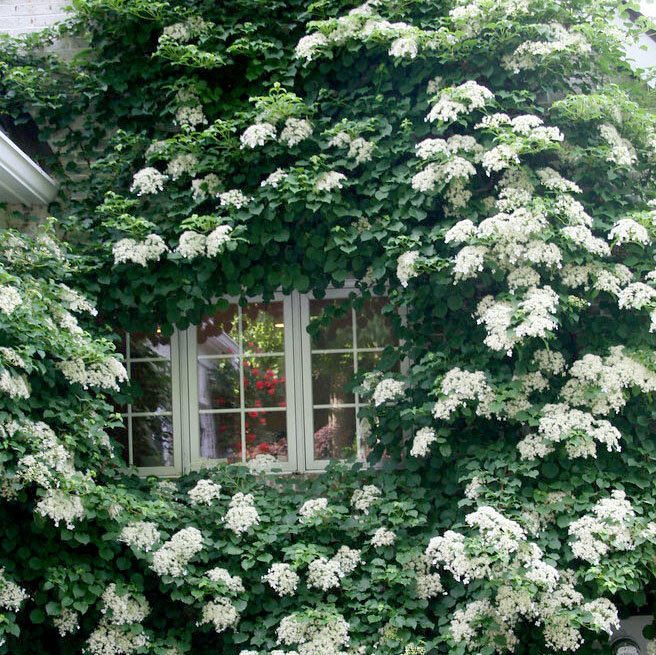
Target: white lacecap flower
x=363, y=499
x=232, y=582
x=11, y=595
x=139, y=252
x=142, y=535
x=204, y=492
x=329, y=181
x=295, y=131
x=282, y=579
x=10, y=299
x=407, y=266
x=172, y=558
x=382, y=537
x=221, y=613
x=234, y=198
x=309, y=46
x=242, y=513
x=313, y=509
x=422, y=442
x=148, y=181
x=388, y=390
x=257, y=135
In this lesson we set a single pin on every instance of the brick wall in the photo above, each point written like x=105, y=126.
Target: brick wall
x=20, y=16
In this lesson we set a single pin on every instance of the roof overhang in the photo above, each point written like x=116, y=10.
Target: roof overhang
x=21, y=179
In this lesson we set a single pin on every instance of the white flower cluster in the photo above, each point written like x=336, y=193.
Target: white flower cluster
x=182, y=164
x=11, y=595
x=578, y=430
x=11, y=357
x=457, y=388
x=204, y=492
x=313, y=509
x=233, y=198
x=202, y=187
x=66, y=622
x=500, y=553
x=191, y=115
x=324, y=574
x=295, y=131
x=621, y=150
x=76, y=301
x=221, y=613
x=363, y=499
x=275, y=179
x=329, y=180
x=107, y=374
x=456, y=169
x=232, y=582
x=14, y=386
x=326, y=634
x=428, y=585
x=110, y=639
x=309, y=46
x=148, y=181
x=183, y=32
x=499, y=158
x=531, y=54
x=432, y=148
x=422, y=442
x=257, y=135
x=242, y=513
x=382, y=537
x=139, y=252
x=582, y=236
x=404, y=46
x=282, y=579
x=261, y=463
x=406, y=267
x=142, y=535
x=636, y=296
x=172, y=558
x=454, y=101
x=608, y=378
x=626, y=230
x=506, y=325
x=48, y=464
x=193, y=244
x=387, y=390
x=9, y=299
x=123, y=608
x=608, y=527
x=554, y=181
x=61, y=506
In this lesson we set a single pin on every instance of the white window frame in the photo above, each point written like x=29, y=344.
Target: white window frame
x=298, y=388
x=176, y=401
x=192, y=449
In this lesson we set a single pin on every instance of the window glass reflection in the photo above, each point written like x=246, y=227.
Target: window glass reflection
x=334, y=433
x=152, y=440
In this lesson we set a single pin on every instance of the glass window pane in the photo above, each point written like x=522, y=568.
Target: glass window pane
x=218, y=383
x=149, y=345
x=120, y=434
x=152, y=440
x=264, y=381
x=263, y=327
x=330, y=374
x=334, y=433
x=374, y=328
x=339, y=334
x=220, y=436
x=266, y=432
x=151, y=383
x=367, y=362
x=219, y=334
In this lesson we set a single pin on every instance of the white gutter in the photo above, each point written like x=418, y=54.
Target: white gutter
x=21, y=179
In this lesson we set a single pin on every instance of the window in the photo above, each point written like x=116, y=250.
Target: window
x=251, y=380
x=152, y=422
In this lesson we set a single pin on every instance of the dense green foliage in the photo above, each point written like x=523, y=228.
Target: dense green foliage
x=432, y=151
